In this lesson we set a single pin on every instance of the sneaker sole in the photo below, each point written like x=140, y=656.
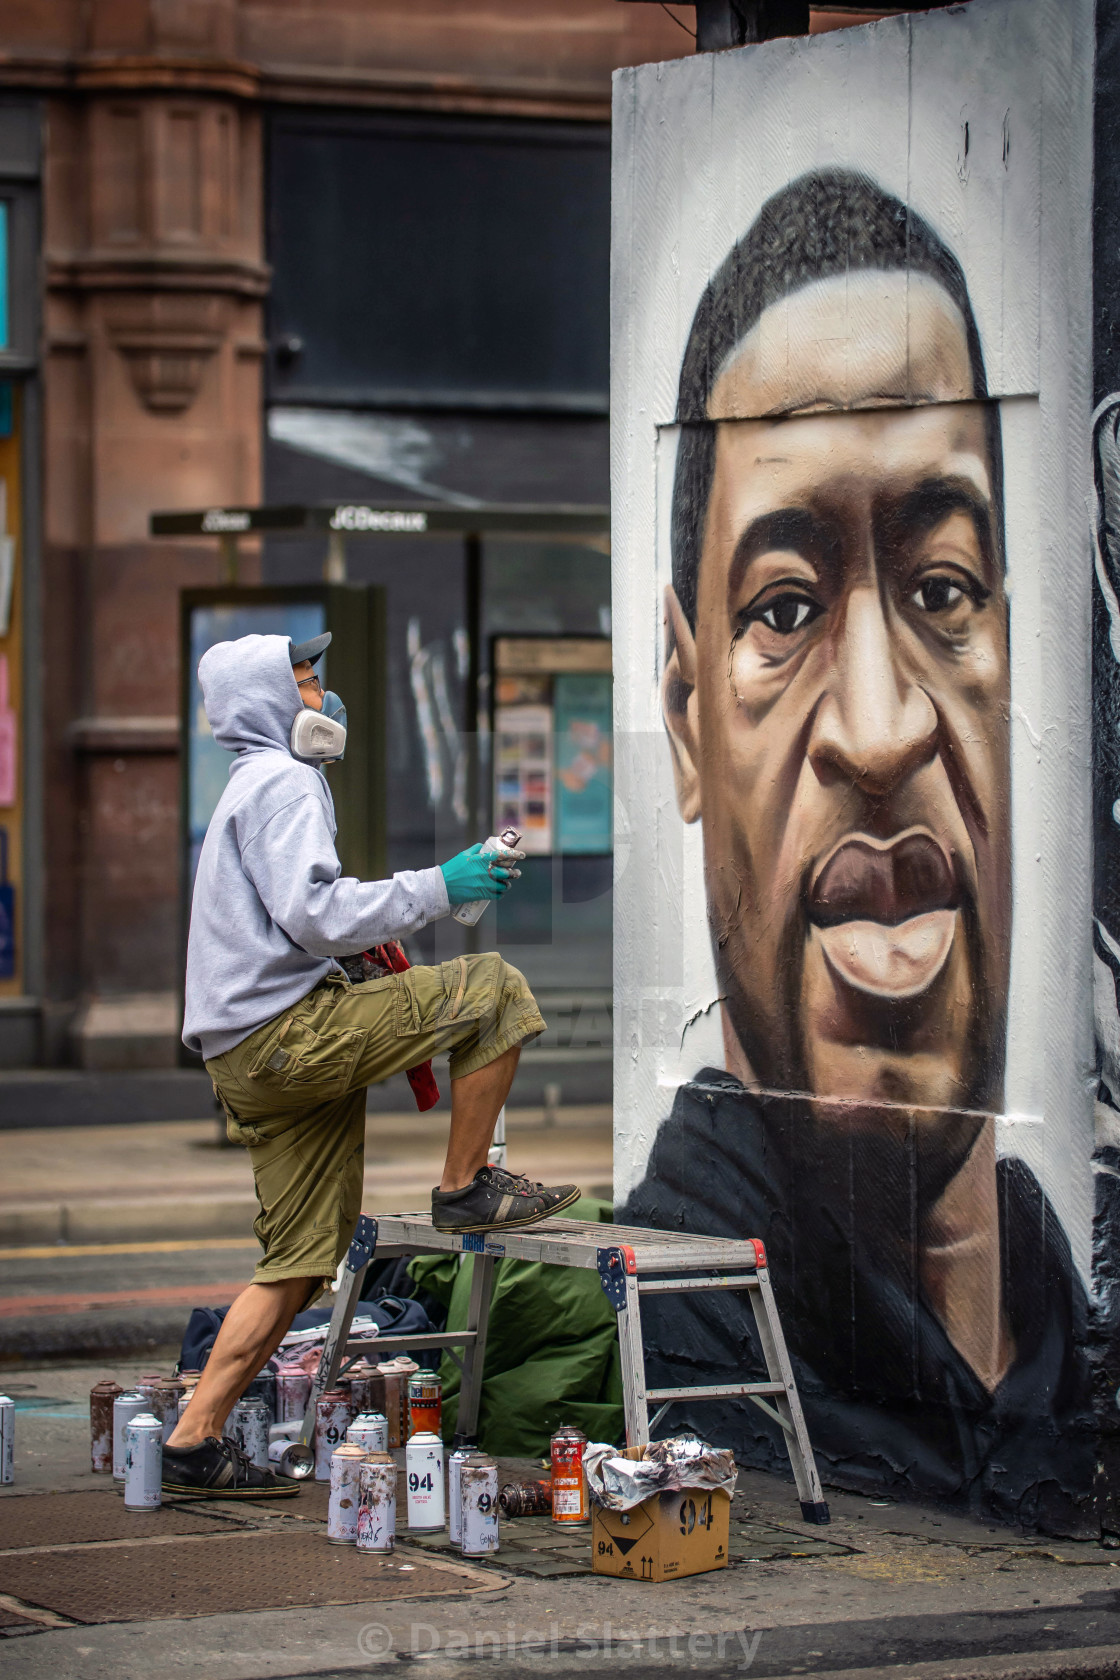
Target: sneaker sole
x=282, y=1492
x=508, y=1224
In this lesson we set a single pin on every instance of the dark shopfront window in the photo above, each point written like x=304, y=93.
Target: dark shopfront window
x=439, y=262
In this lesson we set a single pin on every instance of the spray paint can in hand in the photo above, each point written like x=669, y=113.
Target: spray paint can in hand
x=454, y=1496
x=7, y=1438
x=125, y=1406
x=332, y=1420
x=143, y=1462
x=507, y=841
x=370, y=1431
x=342, y=1511
x=101, y=1397
x=377, y=1503
x=424, y=1473
x=478, y=1481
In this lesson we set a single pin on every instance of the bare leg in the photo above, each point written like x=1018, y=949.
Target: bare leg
x=475, y=1102
x=251, y=1332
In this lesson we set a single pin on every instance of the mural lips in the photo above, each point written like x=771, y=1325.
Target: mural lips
x=885, y=912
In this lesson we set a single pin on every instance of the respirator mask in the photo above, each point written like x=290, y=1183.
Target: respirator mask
x=320, y=737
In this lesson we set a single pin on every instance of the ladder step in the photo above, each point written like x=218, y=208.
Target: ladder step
x=427, y=1338
x=670, y=1286
x=715, y=1391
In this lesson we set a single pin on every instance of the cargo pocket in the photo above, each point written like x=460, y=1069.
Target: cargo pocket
x=297, y=1058
x=448, y=995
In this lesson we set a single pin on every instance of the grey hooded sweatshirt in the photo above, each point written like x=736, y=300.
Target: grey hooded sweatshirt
x=271, y=908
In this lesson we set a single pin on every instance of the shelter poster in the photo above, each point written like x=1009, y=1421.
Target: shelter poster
x=854, y=985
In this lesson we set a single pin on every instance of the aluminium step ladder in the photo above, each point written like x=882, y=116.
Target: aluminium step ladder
x=634, y=1262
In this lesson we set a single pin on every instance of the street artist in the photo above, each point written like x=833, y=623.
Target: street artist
x=292, y=1032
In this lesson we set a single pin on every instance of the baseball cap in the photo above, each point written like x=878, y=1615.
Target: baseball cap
x=312, y=650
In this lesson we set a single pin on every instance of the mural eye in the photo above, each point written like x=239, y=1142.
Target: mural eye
x=788, y=613
x=938, y=594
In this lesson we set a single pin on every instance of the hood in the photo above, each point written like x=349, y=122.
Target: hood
x=249, y=692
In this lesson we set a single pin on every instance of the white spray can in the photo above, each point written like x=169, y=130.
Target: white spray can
x=377, y=1503
x=454, y=1496
x=478, y=1526
x=506, y=841
x=424, y=1474
x=143, y=1462
x=125, y=1407
x=7, y=1439
x=342, y=1510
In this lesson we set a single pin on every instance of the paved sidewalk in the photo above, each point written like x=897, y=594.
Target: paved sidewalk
x=895, y=1588
x=90, y=1184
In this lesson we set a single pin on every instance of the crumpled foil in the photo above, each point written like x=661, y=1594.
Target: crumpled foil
x=618, y=1484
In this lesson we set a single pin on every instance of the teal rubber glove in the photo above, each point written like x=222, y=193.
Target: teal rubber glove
x=468, y=877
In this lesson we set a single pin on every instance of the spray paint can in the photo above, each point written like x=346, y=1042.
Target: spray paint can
x=291, y=1459
x=425, y=1403
x=370, y=1431
x=363, y=1376
x=506, y=841
x=454, y=1506
x=143, y=1462
x=569, y=1484
x=342, y=1511
x=478, y=1480
x=125, y=1406
x=7, y=1439
x=332, y=1420
x=525, y=1499
x=248, y=1427
x=392, y=1398
x=263, y=1387
x=171, y=1396
x=424, y=1475
x=377, y=1503
x=101, y=1397
x=293, y=1390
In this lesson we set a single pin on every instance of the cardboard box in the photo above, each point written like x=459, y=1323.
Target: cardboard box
x=663, y=1538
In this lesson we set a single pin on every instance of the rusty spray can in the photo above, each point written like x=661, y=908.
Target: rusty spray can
x=478, y=1482
x=332, y=1420
x=101, y=1397
x=293, y=1390
x=425, y=1403
x=342, y=1511
x=143, y=1462
x=7, y=1438
x=525, y=1499
x=370, y=1431
x=377, y=1503
x=125, y=1406
x=424, y=1476
x=454, y=1496
x=569, y=1484
x=171, y=1397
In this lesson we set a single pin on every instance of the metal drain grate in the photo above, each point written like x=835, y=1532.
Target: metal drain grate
x=59, y=1519
x=221, y=1572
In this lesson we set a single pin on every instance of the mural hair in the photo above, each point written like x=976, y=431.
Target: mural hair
x=826, y=223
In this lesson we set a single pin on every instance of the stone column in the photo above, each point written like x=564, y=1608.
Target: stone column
x=153, y=366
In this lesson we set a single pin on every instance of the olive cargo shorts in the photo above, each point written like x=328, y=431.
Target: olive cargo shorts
x=294, y=1091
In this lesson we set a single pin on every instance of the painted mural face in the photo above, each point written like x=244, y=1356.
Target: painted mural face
x=839, y=711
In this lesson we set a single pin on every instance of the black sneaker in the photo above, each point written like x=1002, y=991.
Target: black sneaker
x=495, y=1200
x=220, y=1470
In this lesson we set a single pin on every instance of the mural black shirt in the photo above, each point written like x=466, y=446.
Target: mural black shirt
x=890, y=1403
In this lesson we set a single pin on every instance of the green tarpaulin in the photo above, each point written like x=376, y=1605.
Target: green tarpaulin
x=551, y=1348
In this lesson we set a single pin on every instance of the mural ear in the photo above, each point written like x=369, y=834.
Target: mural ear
x=679, y=706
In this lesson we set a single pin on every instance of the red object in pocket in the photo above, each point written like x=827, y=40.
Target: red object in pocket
x=421, y=1078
